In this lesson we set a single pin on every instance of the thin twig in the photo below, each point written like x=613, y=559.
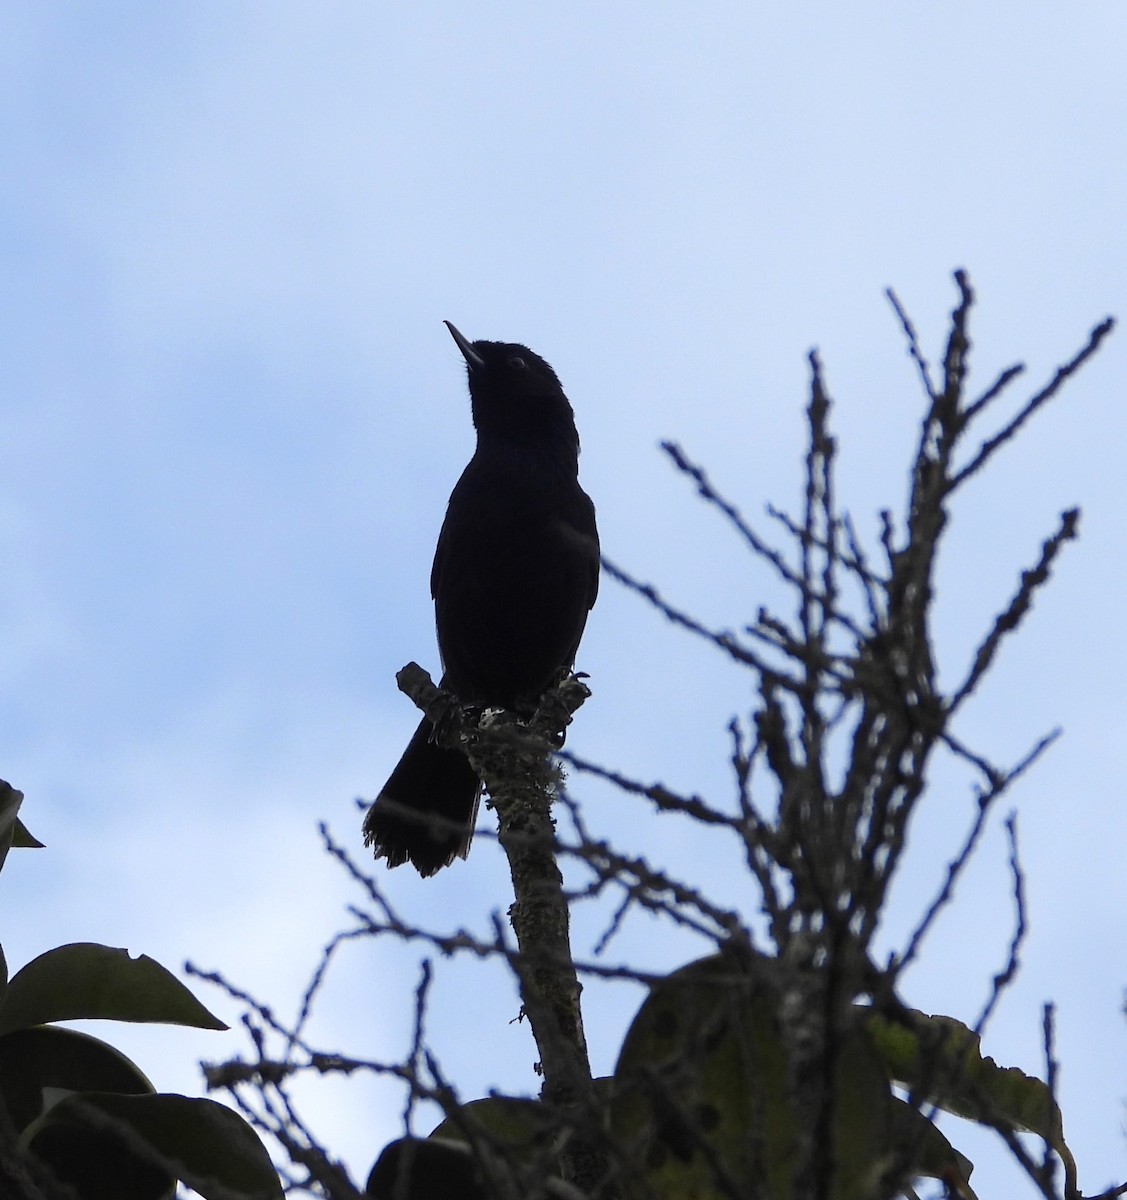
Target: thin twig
x=1009, y=973
x=1007, y=432
x=913, y=343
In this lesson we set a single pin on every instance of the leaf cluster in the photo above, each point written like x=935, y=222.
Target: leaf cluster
x=78, y=1119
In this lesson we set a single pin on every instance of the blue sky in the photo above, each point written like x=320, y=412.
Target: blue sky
x=231, y=416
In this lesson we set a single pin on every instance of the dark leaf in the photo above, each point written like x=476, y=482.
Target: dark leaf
x=204, y=1144
x=10, y=801
x=36, y=1065
x=99, y=1166
x=929, y=1153
x=88, y=980
x=22, y=839
x=425, y=1169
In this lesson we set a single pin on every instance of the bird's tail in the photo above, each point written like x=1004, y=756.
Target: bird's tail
x=426, y=811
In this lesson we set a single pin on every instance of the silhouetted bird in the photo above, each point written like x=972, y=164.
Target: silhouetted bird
x=515, y=573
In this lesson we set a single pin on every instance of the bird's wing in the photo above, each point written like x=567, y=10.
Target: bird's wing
x=592, y=533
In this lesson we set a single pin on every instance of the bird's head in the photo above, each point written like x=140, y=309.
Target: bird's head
x=514, y=392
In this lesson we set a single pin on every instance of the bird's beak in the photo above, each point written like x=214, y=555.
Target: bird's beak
x=468, y=352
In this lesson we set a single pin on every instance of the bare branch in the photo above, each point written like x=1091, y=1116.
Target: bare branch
x=999, y=784
x=1009, y=620
x=913, y=343
x=992, y=392
x=706, y=490
x=991, y=445
x=722, y=640
x=1009, y=973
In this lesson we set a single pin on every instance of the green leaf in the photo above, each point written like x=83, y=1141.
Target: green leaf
x=940, y=1061
x=85, y=980
x=425, y=1169
x=39, y=1064
x=200, y=1142
x=703, y=1052
x=702, y=1091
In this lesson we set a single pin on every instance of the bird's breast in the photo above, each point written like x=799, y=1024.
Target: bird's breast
x=512, y=581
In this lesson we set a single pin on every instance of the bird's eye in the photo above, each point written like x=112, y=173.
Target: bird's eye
x=517, y=363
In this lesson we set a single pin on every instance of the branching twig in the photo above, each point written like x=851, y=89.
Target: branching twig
x=988, y=448
x=1008, y=621
x=1008, y=973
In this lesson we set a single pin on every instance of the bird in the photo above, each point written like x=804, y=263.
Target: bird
x=515, y=574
